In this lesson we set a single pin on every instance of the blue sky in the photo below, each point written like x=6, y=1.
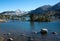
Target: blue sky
x=24, y=5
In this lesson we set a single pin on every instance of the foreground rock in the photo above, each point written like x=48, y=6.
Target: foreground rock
x=44, y=31
x=10, y=39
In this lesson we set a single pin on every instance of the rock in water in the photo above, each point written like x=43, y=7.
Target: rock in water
x=54, y=33
x=44, y=31
x=10, y=39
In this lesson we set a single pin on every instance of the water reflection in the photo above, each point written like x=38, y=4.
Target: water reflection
x=13, y=26
x=32, y=25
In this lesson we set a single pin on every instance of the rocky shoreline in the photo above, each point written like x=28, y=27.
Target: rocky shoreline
x=33, y=36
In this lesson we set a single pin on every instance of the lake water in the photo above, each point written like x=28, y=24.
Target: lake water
x=27, y=27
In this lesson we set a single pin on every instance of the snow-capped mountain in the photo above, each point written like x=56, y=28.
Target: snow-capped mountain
x=16, y=12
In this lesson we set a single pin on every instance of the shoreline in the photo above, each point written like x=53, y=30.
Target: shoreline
x=2, y=20
x=29, y=37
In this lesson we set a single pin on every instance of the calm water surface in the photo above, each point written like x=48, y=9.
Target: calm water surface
x=27, y=27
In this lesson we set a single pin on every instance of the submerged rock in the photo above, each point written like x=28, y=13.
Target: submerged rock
x=30, y=39
x=22, y=35
x=34, y=32
x=54, y=33
x=8, y=33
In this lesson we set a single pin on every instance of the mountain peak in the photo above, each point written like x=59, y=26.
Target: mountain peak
x=56, y=6
x=45, y=7
x=58, y=3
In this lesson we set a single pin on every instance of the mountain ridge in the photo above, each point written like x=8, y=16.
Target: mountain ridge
x=45, y=9
x=40, y=10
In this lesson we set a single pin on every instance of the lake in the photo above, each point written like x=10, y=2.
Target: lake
x=15, y=26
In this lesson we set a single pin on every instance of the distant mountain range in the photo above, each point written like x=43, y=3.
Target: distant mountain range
x=17, y=12
x=56, y=6
x=40, y=10
x=55, y=9
x=46, y=9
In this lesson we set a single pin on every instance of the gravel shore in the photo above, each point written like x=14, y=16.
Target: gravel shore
x=29, y=37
